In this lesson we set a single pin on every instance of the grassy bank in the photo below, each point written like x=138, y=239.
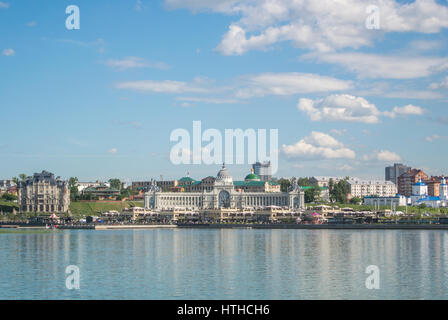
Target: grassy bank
x=94, y=208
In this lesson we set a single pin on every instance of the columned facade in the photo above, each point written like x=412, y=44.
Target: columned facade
x=223, y=196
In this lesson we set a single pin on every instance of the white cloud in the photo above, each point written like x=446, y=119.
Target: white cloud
x=4, y=5
x=405, y=111
x=185, y=104
x=113, y=151
x=166, y=86
x=9, y=52
x=409, y=110
x=435, y=137
x=385, y=155
x=32, y=24
x=98, y=43
x=440, y=85
x=134, y=62
x=425, y=45
x=224, y=6
x=244, y=87
x=425, y=16
x=318, y=145
x=382, y=66
x=342, y=107
x=348, y=108
x=432, y=138
x=413, y=94
x=339, y=132
x=208, y=100
x=289, y=83
x=322, y=25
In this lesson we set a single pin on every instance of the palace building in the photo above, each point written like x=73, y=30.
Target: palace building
x=43, y=193
x=223, y=192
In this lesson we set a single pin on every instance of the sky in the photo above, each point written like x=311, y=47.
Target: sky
x=350, y=89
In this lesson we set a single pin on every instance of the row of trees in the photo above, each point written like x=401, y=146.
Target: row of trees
x=338, y=191
x=286, y=183
x=114, y=183
x=311, y=195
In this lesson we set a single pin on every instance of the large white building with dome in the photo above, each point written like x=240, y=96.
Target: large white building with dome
x=225, y=193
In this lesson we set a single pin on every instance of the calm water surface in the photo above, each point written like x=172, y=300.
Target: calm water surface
x=225, y=264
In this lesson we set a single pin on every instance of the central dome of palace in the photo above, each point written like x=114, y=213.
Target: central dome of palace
x=224, y=175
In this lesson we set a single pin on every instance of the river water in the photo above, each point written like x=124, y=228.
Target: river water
x=224, y=264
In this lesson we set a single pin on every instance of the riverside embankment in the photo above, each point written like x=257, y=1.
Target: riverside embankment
x=246, y=226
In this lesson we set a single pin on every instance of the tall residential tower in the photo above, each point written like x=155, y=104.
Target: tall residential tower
x=263, y=170
x=393, y=172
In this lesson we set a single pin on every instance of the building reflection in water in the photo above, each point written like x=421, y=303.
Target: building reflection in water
x=224, y=264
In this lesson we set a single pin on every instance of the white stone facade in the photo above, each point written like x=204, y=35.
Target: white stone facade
x=223, y=196
x=364, y=188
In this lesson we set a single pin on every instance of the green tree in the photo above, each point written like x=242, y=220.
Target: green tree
x=73, y=186
x=115, y=183
x=330, y=189
x=284, y=184
x=355, y=200
x=339, y=191
x=312, y=194
x=73, y=182
x=8, y=197
x=15, y=180
x=125, y=192
x=23, y=176
x=304, y=182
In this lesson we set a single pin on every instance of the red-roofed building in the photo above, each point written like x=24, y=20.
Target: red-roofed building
x=408, y=179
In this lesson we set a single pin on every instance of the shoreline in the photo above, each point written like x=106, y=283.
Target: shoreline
x=322, y=226
x=244, y=226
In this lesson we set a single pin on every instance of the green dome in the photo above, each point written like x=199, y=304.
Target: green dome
x=252, y=176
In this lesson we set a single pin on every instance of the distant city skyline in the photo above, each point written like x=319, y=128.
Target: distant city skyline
x=101, y=102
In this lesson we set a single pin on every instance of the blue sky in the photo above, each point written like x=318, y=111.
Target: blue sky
x=101, y=101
